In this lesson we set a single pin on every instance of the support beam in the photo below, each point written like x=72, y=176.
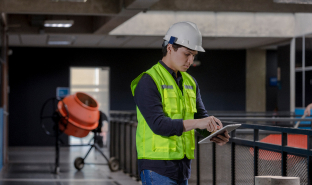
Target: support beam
x=230, y=6
x=91, y=7
x=132, y=7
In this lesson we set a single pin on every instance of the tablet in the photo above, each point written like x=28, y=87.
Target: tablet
x=229, y=128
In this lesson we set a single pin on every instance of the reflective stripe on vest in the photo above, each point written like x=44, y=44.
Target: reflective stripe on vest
x=176, y=106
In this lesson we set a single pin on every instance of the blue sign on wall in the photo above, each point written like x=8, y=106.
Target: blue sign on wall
x=273, y=81
x=61, y=92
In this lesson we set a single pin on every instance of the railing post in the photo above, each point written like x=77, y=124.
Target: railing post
x=119, y=142
x=233, y=133
x=214, y=172
x=309, y=161
x=256, y=138
x=284, y=154
x=130, y=136
x=125, y=145
x=197, y=162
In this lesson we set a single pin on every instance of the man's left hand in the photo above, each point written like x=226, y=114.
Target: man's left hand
x=220, y=139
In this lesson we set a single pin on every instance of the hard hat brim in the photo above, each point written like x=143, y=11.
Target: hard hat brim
x=186, y=44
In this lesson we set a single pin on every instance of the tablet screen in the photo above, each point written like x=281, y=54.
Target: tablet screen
x=229, y=128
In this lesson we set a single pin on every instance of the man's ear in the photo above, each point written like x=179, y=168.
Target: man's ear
x=169, y=48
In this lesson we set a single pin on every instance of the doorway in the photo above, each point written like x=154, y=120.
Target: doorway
x=93, y=81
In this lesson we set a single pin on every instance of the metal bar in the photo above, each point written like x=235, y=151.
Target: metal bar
x=303, y=71
x=262, y=119
x=131, y=143
x=101, y=152
x=292, y=74
x=197, y=162
x=284, y=154
x=76, y=145
x=125, y=149
x=309, y=170
x=214, y=169
x=309, y=147
x=57, y=150
x=88, y=152
x=256, y=149
x=272, y=147
x=112, y=141
x=233, y=160
x=278, y=129
x=119, y=143
x=96, y=163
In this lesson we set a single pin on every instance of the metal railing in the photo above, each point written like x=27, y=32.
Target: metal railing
x=255, y=149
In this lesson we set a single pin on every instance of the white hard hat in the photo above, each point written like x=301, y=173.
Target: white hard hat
x=186, y=34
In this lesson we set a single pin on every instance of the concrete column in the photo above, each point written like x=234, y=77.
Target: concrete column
x=255, y=80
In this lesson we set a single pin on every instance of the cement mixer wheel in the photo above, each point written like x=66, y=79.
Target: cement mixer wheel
x=113, y=164
x=79, y=163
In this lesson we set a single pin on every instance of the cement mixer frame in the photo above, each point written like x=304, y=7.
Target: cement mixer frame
x=60, y=119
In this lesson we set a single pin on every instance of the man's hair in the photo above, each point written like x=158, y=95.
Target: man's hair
x=164, y=47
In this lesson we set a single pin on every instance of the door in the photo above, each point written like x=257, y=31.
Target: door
x=93, y=81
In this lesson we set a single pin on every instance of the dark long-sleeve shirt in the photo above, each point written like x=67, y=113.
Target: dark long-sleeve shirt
x=148, y=100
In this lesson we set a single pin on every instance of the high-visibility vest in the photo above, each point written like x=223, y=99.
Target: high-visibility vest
x=176, y=106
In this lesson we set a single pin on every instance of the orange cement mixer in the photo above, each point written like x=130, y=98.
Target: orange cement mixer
x=80, y=114
x=75, y=115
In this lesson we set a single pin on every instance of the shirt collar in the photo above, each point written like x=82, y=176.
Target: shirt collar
x=170, y=70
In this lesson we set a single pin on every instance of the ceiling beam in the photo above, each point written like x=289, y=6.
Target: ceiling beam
x=230, y=6
x=90, y=7
x=131, y=8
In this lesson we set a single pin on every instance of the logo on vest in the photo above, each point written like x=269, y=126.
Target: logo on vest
x=188, y=87
x=167, y=86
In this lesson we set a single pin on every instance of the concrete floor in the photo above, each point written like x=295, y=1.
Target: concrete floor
x=35, y=166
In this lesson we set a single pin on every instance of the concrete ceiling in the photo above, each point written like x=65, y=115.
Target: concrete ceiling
x=95, y=19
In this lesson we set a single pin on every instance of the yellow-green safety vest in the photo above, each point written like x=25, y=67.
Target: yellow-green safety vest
x=175, y=106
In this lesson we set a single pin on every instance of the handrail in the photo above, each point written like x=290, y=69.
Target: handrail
x=123, y=129
x=263, y=119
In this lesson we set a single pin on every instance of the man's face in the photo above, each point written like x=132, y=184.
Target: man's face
x=182, y=59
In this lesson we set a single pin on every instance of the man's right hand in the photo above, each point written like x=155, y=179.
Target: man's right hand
x=210, y=123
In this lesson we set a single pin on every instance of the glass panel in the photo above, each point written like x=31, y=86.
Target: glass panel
x=298, y=89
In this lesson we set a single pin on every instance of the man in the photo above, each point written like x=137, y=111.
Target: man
x=169, y=108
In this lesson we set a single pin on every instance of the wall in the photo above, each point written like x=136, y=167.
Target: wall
x=36, y=72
